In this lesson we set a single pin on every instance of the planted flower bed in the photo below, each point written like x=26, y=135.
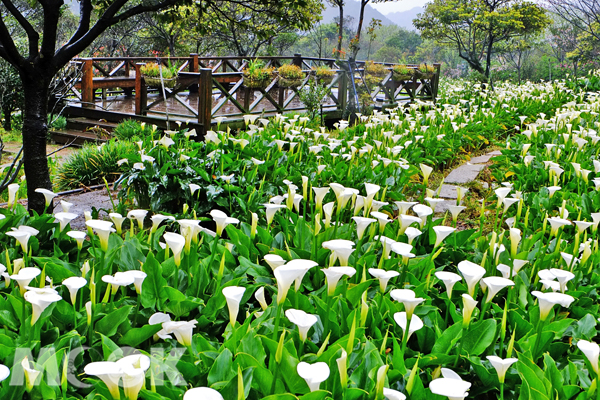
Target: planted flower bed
x=292, y=263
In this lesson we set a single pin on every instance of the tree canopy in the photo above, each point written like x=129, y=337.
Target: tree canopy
x=476, y=27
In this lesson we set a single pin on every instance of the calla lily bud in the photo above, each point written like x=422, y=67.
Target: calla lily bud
x=469, y=305
x=254, y=226
x=342, y=364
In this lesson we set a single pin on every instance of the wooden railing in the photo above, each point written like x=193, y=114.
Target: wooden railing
x=219, y=82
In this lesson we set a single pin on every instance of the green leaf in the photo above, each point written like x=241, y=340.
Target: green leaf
x=136, y=336
x=110, y=323
x=153, y=287
x=445, y=342
x=222, y=369
x=479, y=337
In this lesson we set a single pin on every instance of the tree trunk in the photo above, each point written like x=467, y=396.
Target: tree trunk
x=7, y=118
x=35, y=130
x=341, y=30
x=359, y=29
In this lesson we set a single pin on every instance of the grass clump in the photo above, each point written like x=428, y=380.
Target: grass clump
x=131, y=130
x=92, y=164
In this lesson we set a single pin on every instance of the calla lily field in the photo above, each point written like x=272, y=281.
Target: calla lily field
x=290, y=261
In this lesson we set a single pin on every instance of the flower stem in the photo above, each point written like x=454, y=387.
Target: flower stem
x=276, y=326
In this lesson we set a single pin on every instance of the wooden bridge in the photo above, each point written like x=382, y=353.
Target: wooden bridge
x=107, y=90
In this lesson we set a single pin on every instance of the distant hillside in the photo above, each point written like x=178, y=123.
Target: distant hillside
x=405, y=18
x=352, y=9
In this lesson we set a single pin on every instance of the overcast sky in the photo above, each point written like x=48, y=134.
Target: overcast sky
x=400, y=5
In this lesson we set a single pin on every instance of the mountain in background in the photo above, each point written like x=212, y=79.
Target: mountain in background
x=352, y=9
x=404, y=19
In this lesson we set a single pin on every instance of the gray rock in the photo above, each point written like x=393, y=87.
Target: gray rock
x=448, y=192
x=442, y=207
x=465, y=173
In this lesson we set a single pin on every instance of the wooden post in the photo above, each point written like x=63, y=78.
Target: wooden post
x=87, y=83
x=342, y=92
x=205, y=86
x=193, y=62
x=297, y=60
x=141, y=91
x=436, y=81
x=193, y=67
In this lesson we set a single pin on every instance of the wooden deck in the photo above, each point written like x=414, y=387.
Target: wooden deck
x=113, y=89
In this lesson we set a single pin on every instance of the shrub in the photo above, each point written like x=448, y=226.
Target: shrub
x=375, y=69
x=59, y=123
x=257, y=71
x=92, y=163
x=131, y=130
x=153, y=70
x=291, y=71
x=312, y=97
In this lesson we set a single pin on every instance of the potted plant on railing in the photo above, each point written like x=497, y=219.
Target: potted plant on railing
x=290, y=76
x=324, y=74
x=374, y=73
x=152, y=72
x=425, y=71
x=402, y=73
x=257, y=75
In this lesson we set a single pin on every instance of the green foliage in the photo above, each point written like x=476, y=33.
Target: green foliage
x=476, y=28
x=91, y=164
x=154, y=70
x=312, y=97
x=290, y=71
x=132, y=130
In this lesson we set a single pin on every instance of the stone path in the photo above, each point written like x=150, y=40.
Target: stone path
x=84, y=202
x=461, y=175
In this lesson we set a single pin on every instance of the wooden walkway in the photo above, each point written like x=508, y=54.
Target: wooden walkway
x=113, y=89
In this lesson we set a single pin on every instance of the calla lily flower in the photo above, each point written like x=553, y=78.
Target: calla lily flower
x=361, y=225
x=109, y=372
x=426, y=170
x=48, y=195
x=494, y=284
x=182, y=330
x=327, y=211
x=320, y=194
x=592, y=351
x=302, y=320
x=233, y=296
x=383, y=276
x=74, y=283
x=134, y=369
x=382, y=218
x=102, y=229
x=449, y=279
x=271, y=210
x=404, y=206
x=285, y=276
x=313, y=374
x=119, y=279
x=64, y=218
x=415, y=323
x=412, y=233
x=423, y=212
x=305, y=266
x=342, y=364
x=66, y=206
x=371, y=190
x=25, y=276
x=469, y=305
x=222, y=220
x=13, y=188
x=334, y=274
x=391, y=394
x=138, y=279
x=157, y=219
x=582, y=226
x=202, y=393
x=501, y=365
x=118, y=220
x=4, y=372
x=139, y=216
x=31, y=374
x=176, y=243
x=259, y=295
x=274, y=261
x=341, y=249
x=441, y=233
x=404, y=250
x=22, y=235
x=433, y=202
x=455, y=210
x=472, y=274
x=408, y=298
x=454, y=389
x=501, y=194
x=556, y=224
x=40, y=302
x=548, y=300
x=406, y=221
